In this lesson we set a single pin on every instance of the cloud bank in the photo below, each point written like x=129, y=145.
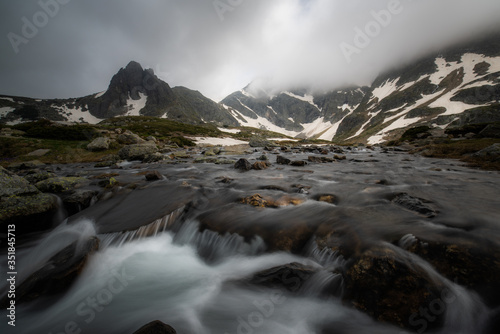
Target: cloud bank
x=220, y=46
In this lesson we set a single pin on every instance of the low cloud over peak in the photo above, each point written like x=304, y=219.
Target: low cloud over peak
x=218, y=47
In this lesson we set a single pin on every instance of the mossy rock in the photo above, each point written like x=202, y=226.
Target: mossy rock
x=60, y=184
x=13, y=185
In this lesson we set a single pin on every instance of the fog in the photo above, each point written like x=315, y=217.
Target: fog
x=72, y=48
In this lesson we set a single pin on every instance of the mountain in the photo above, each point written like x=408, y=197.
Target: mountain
x=454, y=87
x=132, y=91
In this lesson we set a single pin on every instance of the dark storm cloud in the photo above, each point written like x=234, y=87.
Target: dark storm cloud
x=219, y=46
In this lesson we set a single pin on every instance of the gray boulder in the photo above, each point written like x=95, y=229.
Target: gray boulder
x=99, y=144
x=57, y=185
x=491, y=153
x=129, y=138
x=23, y=204
x=137, y=151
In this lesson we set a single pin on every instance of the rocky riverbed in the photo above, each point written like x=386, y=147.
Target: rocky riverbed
x=316, y=239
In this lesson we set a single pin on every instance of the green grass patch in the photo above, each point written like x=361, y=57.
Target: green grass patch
x=13, y=150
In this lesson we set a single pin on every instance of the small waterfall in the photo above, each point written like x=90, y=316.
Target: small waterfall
x=61, y=213
x=150, y=230
x=212, y=246
x=323, y=283
x=326, y=257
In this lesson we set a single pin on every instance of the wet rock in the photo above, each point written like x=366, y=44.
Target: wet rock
x=78, y=200
x=224, y=179
x=99, y=144
x=282, y=160
x=263, y=158
x=298, y=163
x=153, y=176
x=57, y=185
x=155, y=327
x=290, y=277
x=258, y=201
x=391, y=287
x=152, y=139
x=129, y=138
x=108, y=183
x=268, y=202
x=103, y=164
x=18, y=166
x=58, y=273
x=259, y=165
x=417, y=205
x=36, y=176
x=155, y=157
x=13, y=185
x=243, y=165
x=137, y=151
x=339, y=157
x=180, y=155
x=316, y=159
x=327, y=198
x=468, y=261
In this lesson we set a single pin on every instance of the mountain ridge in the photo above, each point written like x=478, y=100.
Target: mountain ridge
x=457, y=86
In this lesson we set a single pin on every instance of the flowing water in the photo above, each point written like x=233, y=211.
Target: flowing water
x=159, y=259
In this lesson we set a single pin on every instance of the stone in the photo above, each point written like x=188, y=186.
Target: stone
x=327, y=198
x=38, y=175
x=137, y=151
x=99, y=144
x=339, y=157
x=153, y=176
x=155, y=157
x=260, y=142
x=243, y=165
x=130, y=138
x=38, y=153
x=391, y=287
x=155, y=327
x=57, y=185
x=298, y=163
x=282, y=160
x=78, y=200
x=315, y=159
x=259, y=165
x=13, y=185
x=491, y=131
x=417, y=205
x=290, y=277
x=491, y=153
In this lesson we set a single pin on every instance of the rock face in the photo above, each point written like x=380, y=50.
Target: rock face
x=23, y=204
x=99, y=144
x=155, y=327
x=137, y=151
x=392, y=288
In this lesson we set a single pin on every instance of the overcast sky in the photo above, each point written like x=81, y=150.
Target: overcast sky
x=218, y=47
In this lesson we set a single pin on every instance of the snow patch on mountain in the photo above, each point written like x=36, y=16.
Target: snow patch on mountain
x=5, y=110
x=135, y=106
x=306, y=98
x=261, y=123
x=7, y=99
x=77, y=115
